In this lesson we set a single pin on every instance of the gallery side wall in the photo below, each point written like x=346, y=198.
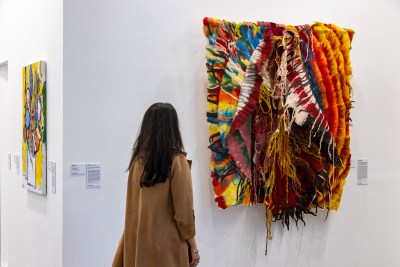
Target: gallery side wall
x=31, y=232
x=3, y=155
x=3, y=170
x=121, y=56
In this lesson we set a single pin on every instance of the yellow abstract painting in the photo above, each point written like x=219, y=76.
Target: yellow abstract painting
x=34, y=143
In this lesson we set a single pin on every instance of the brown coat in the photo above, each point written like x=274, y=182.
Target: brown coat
x=158, y=219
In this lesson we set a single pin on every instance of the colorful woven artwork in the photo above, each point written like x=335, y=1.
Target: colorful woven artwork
x=278, y=115
x=34, y=142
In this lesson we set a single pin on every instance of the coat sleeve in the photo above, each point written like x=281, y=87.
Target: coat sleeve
x=182, y=197
x=119, y=255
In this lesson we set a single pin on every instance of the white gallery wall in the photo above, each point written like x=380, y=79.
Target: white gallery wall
x=121, y=56
x=107, y=61
x=3, y=168
x=31, y=224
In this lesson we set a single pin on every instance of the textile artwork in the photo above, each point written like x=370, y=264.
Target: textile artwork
x=278, y=115
x=34, y=127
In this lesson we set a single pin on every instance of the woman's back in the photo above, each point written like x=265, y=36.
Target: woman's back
x=158, y=218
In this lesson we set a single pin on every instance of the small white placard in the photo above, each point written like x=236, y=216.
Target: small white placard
x=362, y=171
x=52, y=173
x=78, y=169
x=93, y=177
x=17, y=163
x=9, y=161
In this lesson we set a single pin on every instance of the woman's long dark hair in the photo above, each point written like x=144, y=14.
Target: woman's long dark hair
x=159, y=139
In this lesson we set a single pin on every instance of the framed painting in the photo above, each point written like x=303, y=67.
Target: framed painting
x=34, y=143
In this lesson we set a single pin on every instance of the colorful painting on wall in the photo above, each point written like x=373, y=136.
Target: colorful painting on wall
x=278, y=115
x=34, y=143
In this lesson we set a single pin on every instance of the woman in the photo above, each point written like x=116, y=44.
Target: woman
x=159, y=220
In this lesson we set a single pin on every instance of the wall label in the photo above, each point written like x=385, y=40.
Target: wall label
x=78, y=169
